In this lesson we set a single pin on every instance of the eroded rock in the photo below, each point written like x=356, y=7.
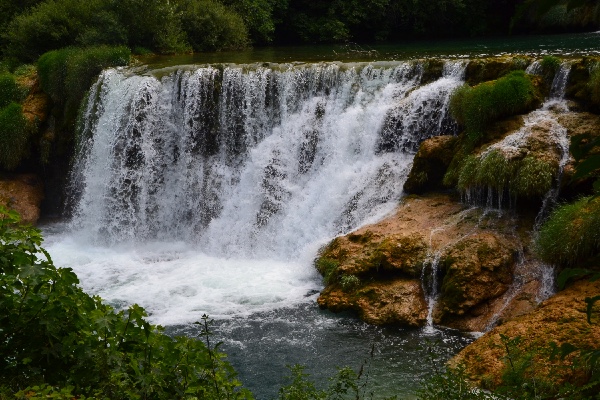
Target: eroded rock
x=22, y=193
x=560, y=319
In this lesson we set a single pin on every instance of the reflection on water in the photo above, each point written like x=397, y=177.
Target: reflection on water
x=534, y=45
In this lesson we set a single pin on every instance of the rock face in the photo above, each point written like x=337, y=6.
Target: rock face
x=381, y=271
x=477, y=269
x=22, y=193
x=560, y=319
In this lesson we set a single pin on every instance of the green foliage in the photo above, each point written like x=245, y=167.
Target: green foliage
x=209, y=26
x=9, y=90
x=67, y=74
x=534, y=178
x=550, y=64
x=60, y=23
x=570, y=235
x=452, y=385
x=476, y=107
x=526, y=178
x=350, y=282
x=52, y=333
x=14, y=136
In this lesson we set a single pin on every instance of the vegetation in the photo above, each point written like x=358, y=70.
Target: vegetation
x=14, y=136
x=55, y=334
x=476, y=107
x=67, y=74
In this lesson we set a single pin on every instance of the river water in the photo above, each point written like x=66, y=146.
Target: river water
x=202, y=189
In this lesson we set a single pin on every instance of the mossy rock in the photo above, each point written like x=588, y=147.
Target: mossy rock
x=488, y=69
x=430, y=164
x=476, y=270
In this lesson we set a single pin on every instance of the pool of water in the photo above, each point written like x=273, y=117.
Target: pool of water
x=532, y=45
x=261, y=346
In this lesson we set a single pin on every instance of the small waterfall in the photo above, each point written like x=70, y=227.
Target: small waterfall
x=251, y=161
x=430, y=273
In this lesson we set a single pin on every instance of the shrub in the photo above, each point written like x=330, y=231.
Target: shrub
x=476, y=107
x=571, y=234
x=60, y=23
x=14, y=136
x=9, y=90
x=55, y=334
x=209, y=25
x=67, y=74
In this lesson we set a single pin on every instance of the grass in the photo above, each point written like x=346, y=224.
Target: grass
x=571, y=234
x=526, y=178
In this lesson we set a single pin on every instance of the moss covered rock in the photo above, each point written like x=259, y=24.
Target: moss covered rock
x=560, y=319
x=397, y=301
x=430, y=164
x=477, y=269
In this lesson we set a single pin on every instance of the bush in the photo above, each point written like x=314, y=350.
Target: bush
x=14, y=136
x=67, y=74
x=55, y=334
x=476, y=107
x=209, y=25
x=59, y=23
x=571, y=234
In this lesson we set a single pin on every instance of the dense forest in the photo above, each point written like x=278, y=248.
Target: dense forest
x=32, y=27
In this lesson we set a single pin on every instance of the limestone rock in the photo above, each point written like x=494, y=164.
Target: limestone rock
x=22, y=193
x=560, y=319
x=477, y=269
x=397, y=301
x=377, y=270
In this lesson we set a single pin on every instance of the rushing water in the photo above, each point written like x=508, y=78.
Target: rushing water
x=208, y=190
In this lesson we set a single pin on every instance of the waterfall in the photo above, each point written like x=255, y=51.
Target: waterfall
x=255, y=164
x=251, y=160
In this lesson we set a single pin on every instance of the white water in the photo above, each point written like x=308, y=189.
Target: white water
x=210, y=190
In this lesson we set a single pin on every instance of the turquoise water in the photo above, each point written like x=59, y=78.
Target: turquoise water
x=537, y=45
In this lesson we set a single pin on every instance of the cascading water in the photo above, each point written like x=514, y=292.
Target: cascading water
x=210, y=189
x=222, y=182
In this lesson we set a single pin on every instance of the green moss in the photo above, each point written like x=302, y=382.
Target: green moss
x=526, y=178
x=550, y=64
x=14, y=136
x=9, y=90
x=476, y=107
x=571, y=234
x=328, y=268
x=534, y=178
x=467, y=173
x=494, y=171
